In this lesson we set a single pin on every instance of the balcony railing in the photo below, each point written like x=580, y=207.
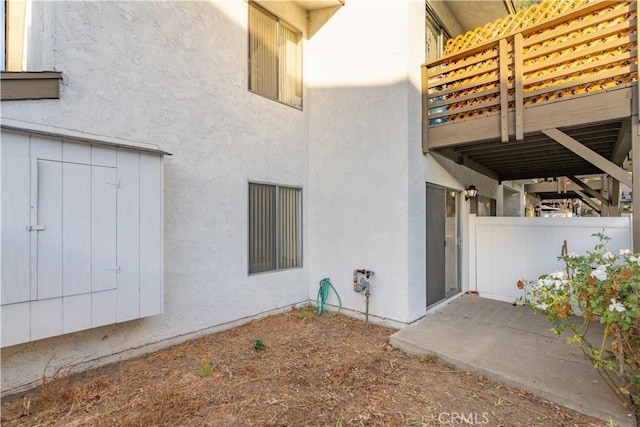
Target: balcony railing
x=588, y=50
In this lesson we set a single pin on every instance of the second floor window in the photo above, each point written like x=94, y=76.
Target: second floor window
x=437, y=36
x=275, y=58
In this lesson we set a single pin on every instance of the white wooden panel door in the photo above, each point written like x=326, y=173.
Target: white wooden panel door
x=14, y=263
x=84, y=226
x=103, y=228
x=76, y=228
x=128, y=235
x=48, y=175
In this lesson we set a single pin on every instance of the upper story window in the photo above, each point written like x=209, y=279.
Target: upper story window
x=436, y=36
x=22, y=42
x=275, y=58
x=14, y=15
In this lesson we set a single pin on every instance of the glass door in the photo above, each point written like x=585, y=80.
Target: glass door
x=442, y=244
x=451, y=244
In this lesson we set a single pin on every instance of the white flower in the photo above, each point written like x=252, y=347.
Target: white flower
x=558, y=275
x=542, y=306
x=624, y=252
x=599, y=273
x=572, y=255
x=616, y=306
x=635, y=259
x=547, y=283
x=608, y=256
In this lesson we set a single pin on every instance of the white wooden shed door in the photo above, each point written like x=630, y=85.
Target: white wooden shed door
x=81, y=231
x=74, y=206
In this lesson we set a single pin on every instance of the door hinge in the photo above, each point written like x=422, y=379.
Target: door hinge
x=36, y=227
x=116, y=269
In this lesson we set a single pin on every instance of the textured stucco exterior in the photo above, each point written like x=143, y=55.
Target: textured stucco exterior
x=174, y=75
x=366, y=166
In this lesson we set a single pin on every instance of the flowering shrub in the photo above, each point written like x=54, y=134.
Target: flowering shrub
x=598, y=286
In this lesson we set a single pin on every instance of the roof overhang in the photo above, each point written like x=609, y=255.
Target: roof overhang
x=311, y=5
x=472, y=13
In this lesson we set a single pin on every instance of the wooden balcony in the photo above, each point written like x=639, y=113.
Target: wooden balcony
x=526, y=105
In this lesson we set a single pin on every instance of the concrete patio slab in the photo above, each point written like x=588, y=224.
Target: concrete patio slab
x=514, y=346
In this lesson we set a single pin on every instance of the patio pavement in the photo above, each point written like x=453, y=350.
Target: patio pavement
x=514, y=346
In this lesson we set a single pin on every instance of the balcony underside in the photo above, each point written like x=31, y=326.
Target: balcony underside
x=599, y=121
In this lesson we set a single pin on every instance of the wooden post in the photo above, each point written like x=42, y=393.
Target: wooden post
x=504, y=89
x=635, y=190
x=614, y=196
x=519, y=95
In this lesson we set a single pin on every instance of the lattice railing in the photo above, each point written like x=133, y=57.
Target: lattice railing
x=589, y=47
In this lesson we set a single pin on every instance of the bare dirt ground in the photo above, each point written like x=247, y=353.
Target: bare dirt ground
x=290, y=369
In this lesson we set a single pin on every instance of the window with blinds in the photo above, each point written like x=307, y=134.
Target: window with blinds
x=275, y=58
x=275, y=227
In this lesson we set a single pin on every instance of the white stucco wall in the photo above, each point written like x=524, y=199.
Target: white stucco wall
x=358, y=154
x=174, y=74
x=367, y=172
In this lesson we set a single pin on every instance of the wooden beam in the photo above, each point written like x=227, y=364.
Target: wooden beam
x=504, y=90
x=465, y=161
x=551, y=187
x=589, y=190
x=519, y=104
x=588, y=201
x=635, y=187
x=589, y=155
x=574, y=111
x=623, y=144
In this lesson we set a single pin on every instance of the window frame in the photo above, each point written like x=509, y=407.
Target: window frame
x=431, y=17
x=280, y=24
x=277, y=235
x=16, y=83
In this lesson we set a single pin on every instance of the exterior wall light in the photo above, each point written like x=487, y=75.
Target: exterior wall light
x=471, y=192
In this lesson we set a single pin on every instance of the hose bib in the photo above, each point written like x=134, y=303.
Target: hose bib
x=361, y=284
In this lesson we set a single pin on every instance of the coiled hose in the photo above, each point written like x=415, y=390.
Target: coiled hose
x=323, y=294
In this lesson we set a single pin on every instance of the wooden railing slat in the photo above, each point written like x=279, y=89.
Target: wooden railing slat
x=539, y=65
x=503, y=72
x=489, y=79
x=582, y=81
x=599, y=63
x=469, y=74
x=473, y=107
x=480, y=57
x=581, y=43
x=449, y=101
x=586, y=22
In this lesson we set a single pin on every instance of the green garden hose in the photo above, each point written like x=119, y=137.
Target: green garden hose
x=323, y=294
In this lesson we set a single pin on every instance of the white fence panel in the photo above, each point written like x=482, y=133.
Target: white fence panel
x=508, y=249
